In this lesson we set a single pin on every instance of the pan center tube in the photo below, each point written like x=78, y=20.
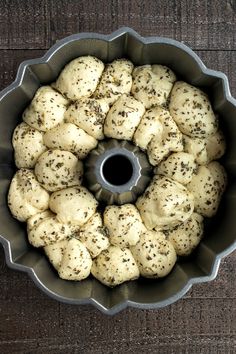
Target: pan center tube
x=117, y=172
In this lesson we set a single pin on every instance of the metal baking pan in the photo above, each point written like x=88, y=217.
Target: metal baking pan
x=220, y=231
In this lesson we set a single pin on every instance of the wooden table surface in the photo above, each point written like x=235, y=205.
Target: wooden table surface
x=204, y=321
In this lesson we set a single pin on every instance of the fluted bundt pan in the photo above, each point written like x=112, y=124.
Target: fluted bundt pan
x=220, y=235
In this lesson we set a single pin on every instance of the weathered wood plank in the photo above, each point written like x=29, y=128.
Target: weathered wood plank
x=205, y=24
x=24, y=24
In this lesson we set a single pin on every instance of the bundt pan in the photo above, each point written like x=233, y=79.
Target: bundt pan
x=220, y=231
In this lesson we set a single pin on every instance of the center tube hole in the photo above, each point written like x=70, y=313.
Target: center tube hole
x=117, y=170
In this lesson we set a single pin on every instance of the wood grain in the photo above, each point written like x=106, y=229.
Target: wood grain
x=204, y=321
x=36, y=24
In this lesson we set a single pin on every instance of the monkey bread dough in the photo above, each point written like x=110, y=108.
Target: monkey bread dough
x=207, y=187
x=69, y=137
x=28, y=145
x=154, y=255
x=123, y=118
x=56, y=169
x=94, y=235
x=80, y=77
x=26, y=197
x=115, y=81
x=124, y=224
x=171, y=121
x=152, y=84
x=179, y=166
x=73, y=205
x=114, y=266
x=165, y=204
x=88, y=114
x=191, y=109
x=186, y=236
x=76, y=261
x=46, y=110
x=44, y=229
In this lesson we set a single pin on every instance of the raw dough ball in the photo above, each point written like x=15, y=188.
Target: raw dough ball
x=46, y=110
x=44, y=229
x=207, y=186
x=165, y=203
x=205, y=150
x=115, y=266
x=69, y=137
x=166, y=140
x=55, y=253
x=152, y=84
x=155, y=256
x=196, y=147
x=149, y=126
x=116, y=80
x=186, y=236
x=178, y=166
x=26, y=197
x=76, y=261
x=124, y=224
x=192, y=111
x=94, y=235
x=28, y=145
x=56, y=169
x=215, y=146
x=88, y=114
x=123, y=118
x=73, y=205
x=80, y=77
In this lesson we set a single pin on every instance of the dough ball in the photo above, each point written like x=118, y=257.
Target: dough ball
x=88, y=114
x=165, y=203
x=207, y=186
x=56, y=169
x=191, y=109
x=94, y=235
x=186, y=236
x=154, y=255
x=73, y=205
x=44, y=229
x=69, y=137
x=55, y=253
x=152, y=84
x=149, y=126
x=206, y=150
x=116, y=80
x=178, y=166
x=46, y=110
x=28, y=145
x=123, y=118
x=115, y=266
x=37, y=218
x=197, y=148
x=76, y=261
x=80, y=77
x=166, y=140
x=124, y=224
x=215, y=146
x=26, y=197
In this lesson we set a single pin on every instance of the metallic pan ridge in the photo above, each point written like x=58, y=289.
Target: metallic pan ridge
x=220, y=237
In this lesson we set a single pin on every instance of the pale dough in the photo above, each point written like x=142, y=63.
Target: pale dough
x=80, y=77
x=46, y=110
x=26, y=197
x=115, y=266
x=56, y=169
